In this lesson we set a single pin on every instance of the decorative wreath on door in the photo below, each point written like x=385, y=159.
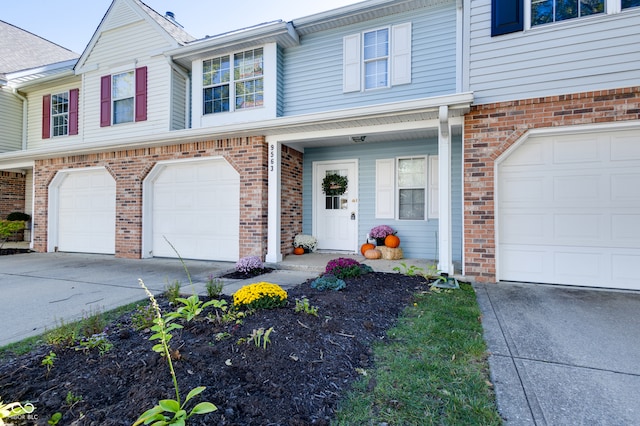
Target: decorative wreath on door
x=334, y=184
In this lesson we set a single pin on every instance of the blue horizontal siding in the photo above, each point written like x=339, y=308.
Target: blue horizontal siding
x=313, y=70
x=418, y=238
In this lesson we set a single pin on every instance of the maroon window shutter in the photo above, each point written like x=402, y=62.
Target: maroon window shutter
x=105, y=101
x=46, y=116
x=141, y=94
x=73, y=111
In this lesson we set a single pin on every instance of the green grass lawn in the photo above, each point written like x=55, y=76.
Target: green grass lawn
x=432, y=369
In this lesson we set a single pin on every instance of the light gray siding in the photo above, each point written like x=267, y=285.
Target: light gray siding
x=595, y=53
x=179, y=101
x=11, y=127
x=418, y=238
x=313, y=70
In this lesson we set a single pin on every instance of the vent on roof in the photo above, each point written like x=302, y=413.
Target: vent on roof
x=172, y=17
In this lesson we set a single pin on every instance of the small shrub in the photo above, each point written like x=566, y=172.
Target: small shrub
x=344, y=267
x=92, y=323
x=63, y=336
x=214, y=286
x=49, y=360
x=98, y=341
x=24, y=217
x=303, y=305
x=172, y=291
x=328, y=282
x=249, y=265
x=262, y=295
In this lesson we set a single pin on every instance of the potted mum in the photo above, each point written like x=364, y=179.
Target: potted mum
x=307, y=242
x=380, y=232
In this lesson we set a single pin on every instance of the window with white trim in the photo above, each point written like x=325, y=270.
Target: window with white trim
x=122, y=96
x=377, y=58
x=60, y=114
x=407, y=188
x=547, y=11
x=245, y=85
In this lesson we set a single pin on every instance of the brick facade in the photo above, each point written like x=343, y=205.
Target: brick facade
x=491, y=129
x=12, y=194
x=291, y=198
x=129, y=169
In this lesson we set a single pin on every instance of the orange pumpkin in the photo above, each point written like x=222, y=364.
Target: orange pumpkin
x=392, y=241
x=298, y=250
x=373, y=254
x=365, y=247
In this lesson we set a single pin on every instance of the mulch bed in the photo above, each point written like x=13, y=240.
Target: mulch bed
x=308, y=366
x=9, y=251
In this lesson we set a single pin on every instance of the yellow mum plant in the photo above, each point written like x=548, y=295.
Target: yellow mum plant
x=260, y=295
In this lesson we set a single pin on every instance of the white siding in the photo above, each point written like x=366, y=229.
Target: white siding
x=178, y=100
x=34, y=115
x=594, y=53
x=121, y=14
x=11, y=111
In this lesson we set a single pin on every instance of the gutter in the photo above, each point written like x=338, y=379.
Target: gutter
x=24, y=116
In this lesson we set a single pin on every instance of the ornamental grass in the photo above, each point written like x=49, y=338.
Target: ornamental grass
x=262, y=295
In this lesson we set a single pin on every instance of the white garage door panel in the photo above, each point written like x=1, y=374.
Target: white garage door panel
x=87, y=212
x=196, y=206
x=571, y=213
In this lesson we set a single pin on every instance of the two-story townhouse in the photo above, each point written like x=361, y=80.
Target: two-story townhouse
x=21, y=54
x=552, y=143
x=222, y=145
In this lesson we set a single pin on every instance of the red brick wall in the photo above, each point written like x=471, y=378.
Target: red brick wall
x=12, y=193
x=291, y=198
x=492, y=128
x=129, y=168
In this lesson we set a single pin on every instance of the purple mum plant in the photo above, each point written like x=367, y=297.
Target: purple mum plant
x=249, y=264
x=381, y=231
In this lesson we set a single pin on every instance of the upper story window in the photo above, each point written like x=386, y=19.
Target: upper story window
x=245, y=85
x=546, y=11
x=122, y=93
x=123, y=97
x=377, y=58
x=507, y=16
x=60, y=114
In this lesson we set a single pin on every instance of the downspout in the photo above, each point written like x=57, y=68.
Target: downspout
x=187, y=78
x=24, y=117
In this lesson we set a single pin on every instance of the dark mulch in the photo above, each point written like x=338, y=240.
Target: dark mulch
x=9, y=251
x=298, y=379
x=237, y=275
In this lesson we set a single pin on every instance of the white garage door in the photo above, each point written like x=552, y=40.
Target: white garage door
x=196, y=206
x=87, y=212
x=569, y=211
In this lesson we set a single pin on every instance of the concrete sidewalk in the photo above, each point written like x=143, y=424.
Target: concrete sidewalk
x=563, y=355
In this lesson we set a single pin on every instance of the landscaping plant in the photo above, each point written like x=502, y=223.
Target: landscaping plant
x=262, y=295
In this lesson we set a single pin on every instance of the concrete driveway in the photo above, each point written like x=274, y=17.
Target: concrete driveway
x=562, y=355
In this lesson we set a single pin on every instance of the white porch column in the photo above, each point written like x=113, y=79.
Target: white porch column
x=274, y=236
x=445, y=263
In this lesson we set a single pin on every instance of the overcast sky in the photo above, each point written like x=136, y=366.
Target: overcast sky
x=71, y=23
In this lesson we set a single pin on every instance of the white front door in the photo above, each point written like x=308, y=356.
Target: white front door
x=336, y=216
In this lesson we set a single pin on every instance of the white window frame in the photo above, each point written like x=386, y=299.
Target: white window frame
x=59, y=115
x=131, y=96
x=398, y=58
x=233, y=81
x=387, y=188
x=375, y=59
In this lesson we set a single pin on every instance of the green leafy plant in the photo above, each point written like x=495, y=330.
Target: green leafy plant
x=63, y=336
x=410, y=271
x=71, y=399
x=93, y=322
x=303, y=305
x=143, y=317
x=8, y=228
x=172, y=291
x=49, y=360
x=55, y=419
x=328, y=282
x=174, y=407
x=260, y=337
x=98, y=341
x=432, y=272
x=192, y=307
x=214, y=286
